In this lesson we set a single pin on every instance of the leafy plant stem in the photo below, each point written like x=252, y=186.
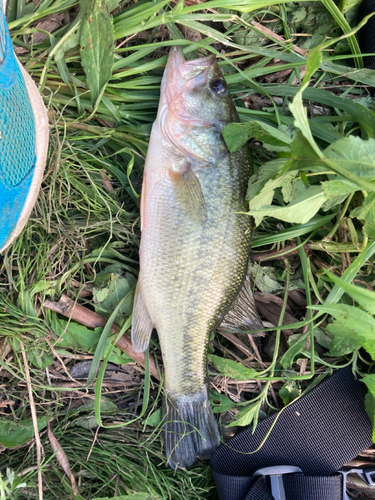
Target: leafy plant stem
x=331, y=234
x=305, y=269
x=271, y=369
x=337, y=292
x=80, y=265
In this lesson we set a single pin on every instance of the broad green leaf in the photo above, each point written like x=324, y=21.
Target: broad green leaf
x=237, y=134
x=97, y=48
x=40, y=358
x=248, y=415
x=220, y=402
x=296, y=347
x=291, y=191
x=266, y=172
x=297, y=108
x=104, y=277
x=370, y=410
x=322, y=337
x=369, y=380
x=366, y=213
x=364, y=297
x=354, y=154
x=301, y=121
x=355, y=319
x=289, y=393
x=89, y=421
x=353, y=324
x=301, y=148
x=154, y=419
x=265, y=196
x=74, y=335
x=264, y=277
x=116, y=356
x=231, y=368
x=300, y=211
x=333, y=203
x=344, y=339
x=337, y=188
x=86, y=422
x=15, y=434
x=107, y=298
x=366, y=340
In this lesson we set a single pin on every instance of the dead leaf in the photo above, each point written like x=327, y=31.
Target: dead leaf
x=61, y=457
x=50, y=23
x=107, y=185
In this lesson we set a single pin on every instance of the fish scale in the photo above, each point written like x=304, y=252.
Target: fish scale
x=194, y=247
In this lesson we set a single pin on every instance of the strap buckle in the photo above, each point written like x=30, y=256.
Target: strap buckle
x=275, y=474
x=367, y=474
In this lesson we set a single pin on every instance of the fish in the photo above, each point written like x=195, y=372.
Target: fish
x=195, y=244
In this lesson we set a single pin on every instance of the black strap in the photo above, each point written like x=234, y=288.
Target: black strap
x=319, y=433
x=366, y=35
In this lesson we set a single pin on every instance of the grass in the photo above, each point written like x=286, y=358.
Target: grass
x=83, y=236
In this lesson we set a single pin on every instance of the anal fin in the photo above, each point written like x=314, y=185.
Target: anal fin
x=243, y=316
x=188, y=192
x=141, y=325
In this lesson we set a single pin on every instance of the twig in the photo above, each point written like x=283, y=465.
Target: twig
x=324, y=246
x=93, y=443
x=39, y=448
x=271, y=34
x=273, y=254
x=69, y=308
x=61, y=361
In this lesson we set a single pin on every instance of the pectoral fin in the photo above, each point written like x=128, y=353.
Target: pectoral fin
x=141, y=325
x=188, y=192
x=243, y=316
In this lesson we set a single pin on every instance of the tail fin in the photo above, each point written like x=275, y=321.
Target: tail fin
x=190, y=428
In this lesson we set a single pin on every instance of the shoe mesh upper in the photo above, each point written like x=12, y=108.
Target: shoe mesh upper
x=17, y=126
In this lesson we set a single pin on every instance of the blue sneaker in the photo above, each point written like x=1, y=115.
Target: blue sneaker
x=23, y=140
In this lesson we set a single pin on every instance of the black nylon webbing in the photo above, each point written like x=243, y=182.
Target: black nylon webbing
x=366, y=35
x=319, y=433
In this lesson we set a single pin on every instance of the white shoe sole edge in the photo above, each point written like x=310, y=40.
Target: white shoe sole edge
x=41, y=149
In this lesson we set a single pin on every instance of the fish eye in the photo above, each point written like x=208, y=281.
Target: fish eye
x=218, y=86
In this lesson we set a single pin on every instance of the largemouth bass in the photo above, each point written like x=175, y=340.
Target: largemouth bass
x=195, y=244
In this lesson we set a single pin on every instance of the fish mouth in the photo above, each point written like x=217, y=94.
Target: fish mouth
x=180, y=75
